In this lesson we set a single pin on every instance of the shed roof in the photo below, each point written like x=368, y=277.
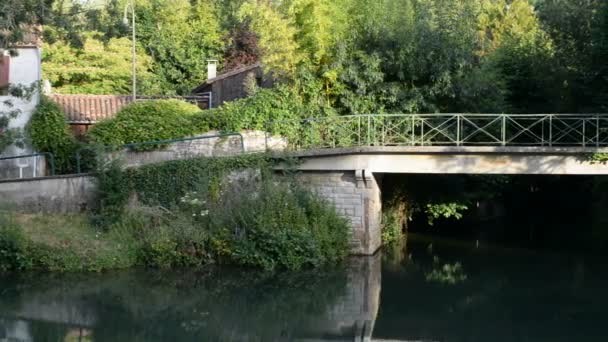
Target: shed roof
x=226, y=75
x=90, y=108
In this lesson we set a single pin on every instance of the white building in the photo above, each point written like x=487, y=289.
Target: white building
x=22, y=70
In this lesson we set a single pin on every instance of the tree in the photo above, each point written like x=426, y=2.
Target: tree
x=578, y=28
x=523, y=53
x=179, y=36
x=242, y=48
x=97, y=68
x=18, y=18
x=277, y=37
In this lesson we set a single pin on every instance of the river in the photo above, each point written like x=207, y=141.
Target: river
x=427, y=290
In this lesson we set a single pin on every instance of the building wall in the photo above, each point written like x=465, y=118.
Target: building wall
x=25, y=70
x=233, y=87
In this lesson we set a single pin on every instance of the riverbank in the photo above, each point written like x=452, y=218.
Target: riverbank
x=266, y=224
x=66, y=243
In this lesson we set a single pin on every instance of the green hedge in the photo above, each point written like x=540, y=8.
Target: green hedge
x=277, y=104
x=147, y=121
x=49, y=132
x=169, y=119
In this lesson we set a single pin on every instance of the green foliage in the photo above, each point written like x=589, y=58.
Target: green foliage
x=436, y=211
x=112, y=193
x=276, y=225
x=164, y=184
x=49, y=132
x=97, y=68
x=395, y=215
x=277, y=37
x=17, y=17
x=61, y=243
x=10, y=111
x=266, y=105
x=147, y=121
x=352, y=56
x=579, y=29
x=180, y=35
x=13, y=247
x=222, y=209
x=598, y=158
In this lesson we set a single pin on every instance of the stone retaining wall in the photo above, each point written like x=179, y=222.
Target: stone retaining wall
x=253, y=141
x=62, y=194
x=356, y=195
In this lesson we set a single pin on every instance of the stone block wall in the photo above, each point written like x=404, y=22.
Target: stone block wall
x=62, y=194
x=253, y=141
x=356, y=195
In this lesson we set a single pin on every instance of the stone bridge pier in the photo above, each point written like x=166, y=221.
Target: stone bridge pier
x=356, y=195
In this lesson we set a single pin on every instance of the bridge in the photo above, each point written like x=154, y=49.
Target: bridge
x=344, y=158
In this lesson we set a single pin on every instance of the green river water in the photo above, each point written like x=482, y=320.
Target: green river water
x=427, y=290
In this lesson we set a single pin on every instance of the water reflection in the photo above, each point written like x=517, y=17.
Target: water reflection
x=483, y=294
x=211, y=305
x=495, y=294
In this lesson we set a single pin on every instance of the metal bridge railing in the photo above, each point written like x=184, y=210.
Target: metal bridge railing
x=577, y=130
x=49, y=157
x=106, y=148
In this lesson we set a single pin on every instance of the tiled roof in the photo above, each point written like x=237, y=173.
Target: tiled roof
x=90, y=108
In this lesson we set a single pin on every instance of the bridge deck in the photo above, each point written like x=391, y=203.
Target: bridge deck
x=503, y=150
x=455, y=160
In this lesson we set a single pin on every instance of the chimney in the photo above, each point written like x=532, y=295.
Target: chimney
x=211, y=68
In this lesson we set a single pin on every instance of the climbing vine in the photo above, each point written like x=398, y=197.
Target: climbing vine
x=9, y=111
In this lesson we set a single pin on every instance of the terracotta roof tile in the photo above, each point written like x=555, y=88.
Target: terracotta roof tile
x=90, y=108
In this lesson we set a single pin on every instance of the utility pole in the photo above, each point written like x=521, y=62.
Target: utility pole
x=125, y=19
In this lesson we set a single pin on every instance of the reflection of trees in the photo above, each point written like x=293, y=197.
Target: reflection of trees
x=217, y=305
x=509, y=295
x=445, y=273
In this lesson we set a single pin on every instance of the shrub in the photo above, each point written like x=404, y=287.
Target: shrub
x=270, y=224
x=13, y=246
x=49, y=132
x=252, y=113
x=148, y=121
x=173, y=241
x=396, y=211
x=112, y=194
x=226, y=209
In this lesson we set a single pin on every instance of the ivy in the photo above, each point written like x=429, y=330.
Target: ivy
x=8, y=112
x=49, y=132
x=223, y=209
x=148, y=121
